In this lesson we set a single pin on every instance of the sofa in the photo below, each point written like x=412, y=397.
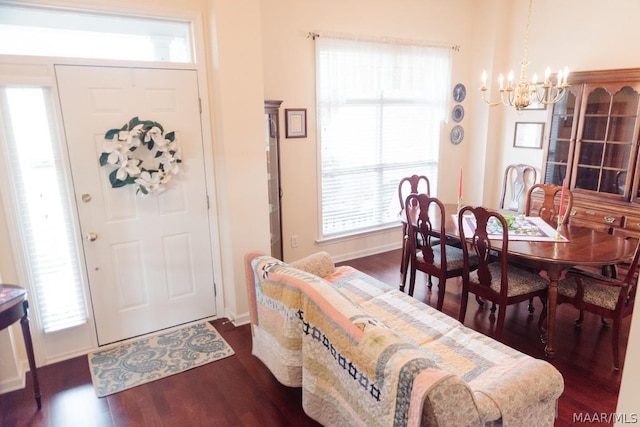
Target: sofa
x=367, y=354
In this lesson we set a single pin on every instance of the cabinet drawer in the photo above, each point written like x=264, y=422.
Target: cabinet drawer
x=632, y=223
x=603, y=228
x=608, y=218
x=627, y=233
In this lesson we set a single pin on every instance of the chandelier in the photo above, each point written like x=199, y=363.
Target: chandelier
x=524, y=93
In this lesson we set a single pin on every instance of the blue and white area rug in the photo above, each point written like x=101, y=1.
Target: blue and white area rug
x=148, y=359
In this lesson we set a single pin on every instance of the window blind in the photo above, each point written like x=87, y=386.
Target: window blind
x=380, y=109
x=42, y=206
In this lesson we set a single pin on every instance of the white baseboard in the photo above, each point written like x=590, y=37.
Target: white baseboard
x=367, y=252
x=242, y=320
x=237, y=320
x=16, y=383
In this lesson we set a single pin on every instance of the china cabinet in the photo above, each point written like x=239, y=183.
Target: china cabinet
x=593, y=144
x=272, y=146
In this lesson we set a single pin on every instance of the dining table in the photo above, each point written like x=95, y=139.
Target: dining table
x=576, y=246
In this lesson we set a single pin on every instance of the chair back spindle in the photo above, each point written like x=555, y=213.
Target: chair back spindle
x=427, y=246
x=602, y=295
x=548, y=210
x=494, y=279
x=412, y=185
x=518, y=178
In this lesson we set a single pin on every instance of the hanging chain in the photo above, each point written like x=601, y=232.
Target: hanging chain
x=526, y=36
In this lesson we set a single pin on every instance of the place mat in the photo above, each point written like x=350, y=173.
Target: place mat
x=529, y=228
x=151, y=358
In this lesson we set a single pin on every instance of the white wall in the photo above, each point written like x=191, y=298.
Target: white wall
x=258, y=50
x=237, y=95
x=580, y=34
x=289, y=75
x=629, y=398
x=232, y=64
x=491, y=34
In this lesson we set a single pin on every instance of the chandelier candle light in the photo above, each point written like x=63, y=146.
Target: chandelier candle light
x=524, y=93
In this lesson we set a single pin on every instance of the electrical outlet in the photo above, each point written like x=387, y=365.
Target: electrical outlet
x=294, y=241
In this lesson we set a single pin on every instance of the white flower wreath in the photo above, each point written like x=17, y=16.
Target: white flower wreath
x=120, y=148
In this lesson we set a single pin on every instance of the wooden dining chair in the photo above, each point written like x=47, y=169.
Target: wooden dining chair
x=494, y=278
x=434, y=256
x=413, y=184
x=605, y=296
x=518, y=178
x=549, y=207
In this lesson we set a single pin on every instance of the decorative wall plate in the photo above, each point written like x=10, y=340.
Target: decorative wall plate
x=457, y=134
x=459, y=92
x=458, y=113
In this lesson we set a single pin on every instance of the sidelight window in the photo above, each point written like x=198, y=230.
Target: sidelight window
x=35, y=193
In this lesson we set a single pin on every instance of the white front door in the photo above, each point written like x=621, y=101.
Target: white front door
x=149, y=259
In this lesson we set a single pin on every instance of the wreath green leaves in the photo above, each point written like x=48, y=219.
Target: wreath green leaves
x=121, y=153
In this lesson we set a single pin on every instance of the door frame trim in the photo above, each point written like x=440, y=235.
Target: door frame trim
x=40, y=71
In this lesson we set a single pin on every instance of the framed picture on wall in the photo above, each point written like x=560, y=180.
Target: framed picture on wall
x=528, y=134
x=295, y=122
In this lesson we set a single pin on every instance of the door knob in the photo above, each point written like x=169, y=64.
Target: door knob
x=86, y=197
x=92, y=236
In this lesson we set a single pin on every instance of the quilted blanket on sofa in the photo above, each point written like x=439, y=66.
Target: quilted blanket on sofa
x=353, y=369
x=508, y=385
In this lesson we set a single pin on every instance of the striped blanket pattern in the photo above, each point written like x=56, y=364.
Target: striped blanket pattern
x=507, y=384
x=353, y=369
x=367, y=354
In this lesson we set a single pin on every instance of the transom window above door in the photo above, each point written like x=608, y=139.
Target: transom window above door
x=81, y=34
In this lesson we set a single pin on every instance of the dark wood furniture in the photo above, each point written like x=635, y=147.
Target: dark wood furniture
x=593, y=142
x=409, y=185
x=272, y=145
x=547, y=207
x=605, y=296
x=241, y=391
x=545, y=196
x=13, y=307
x=494, y=278
x=585, y=247
x=432, y=255
x=413, y=184
x=518, y=178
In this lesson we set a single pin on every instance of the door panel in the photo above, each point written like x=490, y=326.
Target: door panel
x=151, y=265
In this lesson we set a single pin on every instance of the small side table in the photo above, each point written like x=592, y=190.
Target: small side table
x=13, y=307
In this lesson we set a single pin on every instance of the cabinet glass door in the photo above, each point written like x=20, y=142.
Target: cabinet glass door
x=561, y=138
x=606, y=146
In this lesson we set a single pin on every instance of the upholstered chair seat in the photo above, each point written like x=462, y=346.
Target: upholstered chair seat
x=609, y=297
x=594, y=293
x=494, y=278
x=441, y=260
x=520, y=281
x=454, y=257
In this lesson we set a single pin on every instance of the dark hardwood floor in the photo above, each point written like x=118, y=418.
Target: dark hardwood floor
x=240, y=391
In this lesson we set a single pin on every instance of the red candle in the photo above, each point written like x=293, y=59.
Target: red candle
x=564, y=185
x=460, y=185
